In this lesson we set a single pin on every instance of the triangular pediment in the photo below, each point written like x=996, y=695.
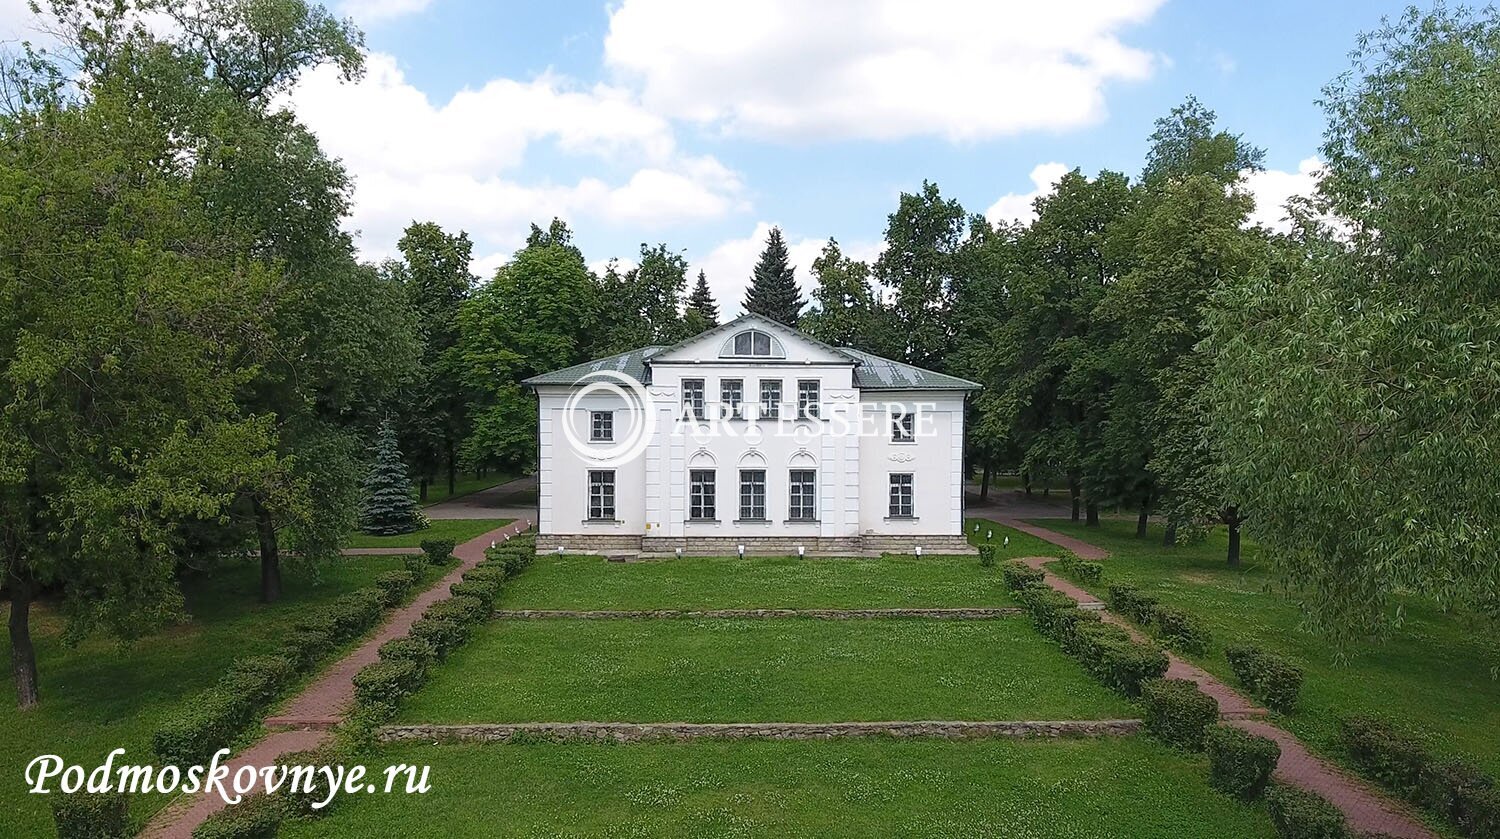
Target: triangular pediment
x=752, y=338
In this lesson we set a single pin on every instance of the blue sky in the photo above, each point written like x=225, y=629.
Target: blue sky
x=701, y=122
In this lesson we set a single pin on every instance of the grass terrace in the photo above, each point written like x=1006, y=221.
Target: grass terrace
x=458, y=530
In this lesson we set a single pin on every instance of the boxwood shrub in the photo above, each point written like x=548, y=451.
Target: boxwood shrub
x=306, y=647
x=311, y=787
x=415, y=650
x=989, y=555
x=92, y=815
x=437, y=551
x=258, y=679
x=386, y=682
x=1274, y=680
x=1181, y=630
x=1018, y=575
x=1048, y=609
x=256, y=817
x=485, y=591
x=486, y=571
x=415, y=563
x=204, y=724
x=394, y=585
x=1462, y=794
x=1088, y=573
x=1177, y=712
x=442, y=634
x=1298, y=814
x=1111, y=656
x=1240, y=763
x=1128, y=600
x=1456, y=790
x=461, y=609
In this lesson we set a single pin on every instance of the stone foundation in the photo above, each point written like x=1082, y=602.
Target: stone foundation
x=628, y=732
x=959, y=613
x=666, y=546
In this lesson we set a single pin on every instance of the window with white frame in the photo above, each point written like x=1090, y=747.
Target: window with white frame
x=602, y=495
x=752, y=343
x=901, y=497
x=770, y=398
x=903, y=427
x=602, y=425
x=732, y=394
x=701, y=495
x=802, y=495
x=752, y=494
x=692, y=398
x=808, y=395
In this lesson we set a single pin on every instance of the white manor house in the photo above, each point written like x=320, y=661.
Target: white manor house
x=751, y=435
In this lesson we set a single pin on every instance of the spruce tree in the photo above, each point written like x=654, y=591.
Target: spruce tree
x=702, y=312
x=389, y=508
x=773, y=288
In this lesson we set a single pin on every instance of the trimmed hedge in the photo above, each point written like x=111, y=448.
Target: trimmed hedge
x=1298, y=814
x=442, y=634
x=306, y=647
x=415, y=563
x=1240, y=763
x=299, y=804
x=989, y=555
x=258, y=678
x=437, y=551
x=1178, y=713
x=1456, y=790
x=1049, y=609
x=485, y=572
x=1127, y=600
x=346, y=617
x=386, y=682
x=407, y=648
x=394, y=585
x=204, y=724
x=461, y=609
x=1088, y=573
x=1018, y=575
x=257, y=817
x=1274, y=680
x=1181, y=630
x=92, y=815
x=485, y=591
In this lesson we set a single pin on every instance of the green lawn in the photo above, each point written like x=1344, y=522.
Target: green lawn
x=459, y=530
x=787, y=669
x=1434, y=674
x=102, y=695
x=1126, y=787
x=466, y=485
x=589, y=582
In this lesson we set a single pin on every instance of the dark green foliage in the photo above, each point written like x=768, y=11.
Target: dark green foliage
x=411, y=649
x=1240, y=763
x=389, y=507
x=988, y=555
x=1127, y=600
x=1479, y=813
x=773, y=290
x=1124, y=664
x=1049, y=609
x=1181, y=630
x=462, y=609
x=256, y=817
x=1177, y=712
x=1298, y=814
x=486, y=571
x=299, y=804
x=346, y=617
x=485, y=591
x=416, y=564
x=386, y=682
x=1460, y=793
x=1453, y=789
x=394, y=585
x=1383, y=754
x=87, y=815
x=1269, y=677
x=258, y=679
x=1088, y=573
x=438, y=551
x=305, y=647
x=209, y=721
x=1018, y=575
x=702, y=313
x=442, y=634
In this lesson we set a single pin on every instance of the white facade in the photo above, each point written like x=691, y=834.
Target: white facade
x=838, y=477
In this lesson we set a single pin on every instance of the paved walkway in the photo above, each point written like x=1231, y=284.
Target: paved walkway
x=1366, y=809
x=308, y=719
x=511, y=500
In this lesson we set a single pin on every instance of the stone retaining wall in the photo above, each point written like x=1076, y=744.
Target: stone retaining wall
x=666, y=546
x=975, y=613
x=630, y=732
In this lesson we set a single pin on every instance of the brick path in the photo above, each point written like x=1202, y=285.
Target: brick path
x=1368, y=811
x=308, y=718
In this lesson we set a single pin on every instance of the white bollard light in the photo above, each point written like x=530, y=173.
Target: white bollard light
x=976, y=527
x=1007, y=542
x=919, y=550
x=742, y=551
x=679, y=553
x=988, y=535
x=801, y=551
x=559, y=550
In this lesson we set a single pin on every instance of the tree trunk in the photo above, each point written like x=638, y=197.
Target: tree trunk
x=1170, y=538
x=1077, y=498
x=1026, y=483
x=984, y=483
x=1232, y=518
x=1142, y=521
x=452, y=471
x=1093, y=514
x=22, y=653
x=270, y=556
x=422, y=490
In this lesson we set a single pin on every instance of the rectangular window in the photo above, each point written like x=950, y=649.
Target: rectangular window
x=807, y=399
x=901, y=507
x=752, y=494
x=732, y=394
x=701, y=491
x=692, y=397
x=803, y=495
x=770, y=398
x=602, y=425
x=903, y=428
x=602, y=495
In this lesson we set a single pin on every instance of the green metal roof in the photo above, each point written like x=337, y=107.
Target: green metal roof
x=872, y=372
x=632, y=364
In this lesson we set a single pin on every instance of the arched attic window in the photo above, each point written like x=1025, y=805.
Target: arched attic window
x=752, y=343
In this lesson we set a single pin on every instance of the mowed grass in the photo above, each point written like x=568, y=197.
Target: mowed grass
x=103, y=695
x=1434, y=674
x=590, y=582
x=437, y=492
x=458, y=530
x=787, y=669
x=1108, y=787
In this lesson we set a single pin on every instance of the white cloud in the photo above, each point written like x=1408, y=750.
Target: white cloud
x=878, y=69
x=729, y=264
x=1016, y=206
x=1272, y=188
x=378, y=11
x=456, y=162
x=17, y=23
